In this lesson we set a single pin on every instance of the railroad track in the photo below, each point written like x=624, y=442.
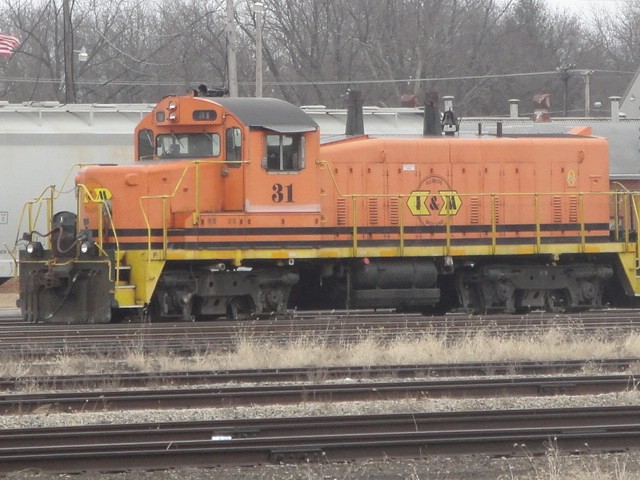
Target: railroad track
x=239, y=442
x=75, y=401
x=199, y=337
x=129, y=380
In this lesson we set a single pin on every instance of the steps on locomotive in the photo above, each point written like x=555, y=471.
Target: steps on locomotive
x=125, y=292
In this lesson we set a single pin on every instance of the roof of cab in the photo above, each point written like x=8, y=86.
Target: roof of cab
x=268, y=113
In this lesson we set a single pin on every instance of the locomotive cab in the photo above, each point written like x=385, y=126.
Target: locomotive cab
x=253, y=142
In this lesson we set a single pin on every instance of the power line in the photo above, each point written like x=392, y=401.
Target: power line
x=311, y=82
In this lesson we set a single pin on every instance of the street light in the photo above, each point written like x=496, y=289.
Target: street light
x=258, y=7
x=69, y=74
x=83, y=56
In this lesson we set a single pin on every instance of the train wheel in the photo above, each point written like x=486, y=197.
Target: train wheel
x=239, y=308
x=555, y=302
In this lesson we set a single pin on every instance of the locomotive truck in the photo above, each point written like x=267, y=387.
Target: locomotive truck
x=234, y=208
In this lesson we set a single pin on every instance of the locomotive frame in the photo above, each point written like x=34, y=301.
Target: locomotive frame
x=234, y=208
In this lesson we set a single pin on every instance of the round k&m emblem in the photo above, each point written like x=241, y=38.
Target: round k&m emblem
x=434, y=201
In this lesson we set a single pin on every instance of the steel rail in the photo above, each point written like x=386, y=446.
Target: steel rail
x=330, y=322
x=318, y=392
x=25, y=438
x=524, y=437
x=175, y=378
x=330, y=319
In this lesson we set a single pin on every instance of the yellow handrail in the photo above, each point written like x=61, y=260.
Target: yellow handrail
x=632, y=197
x=628, y=225
x=53, y=193
x=102, y=207
x=165, y=197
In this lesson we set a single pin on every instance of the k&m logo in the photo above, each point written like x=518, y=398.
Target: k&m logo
x=95, y=194
x=101, y=194
x=434, y=201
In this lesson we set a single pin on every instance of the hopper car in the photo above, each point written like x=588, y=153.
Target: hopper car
x=234, y=208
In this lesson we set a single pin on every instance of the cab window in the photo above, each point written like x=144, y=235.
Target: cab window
x=145, y=144
x=233, y=142
x=284, y=152
x=188, y=145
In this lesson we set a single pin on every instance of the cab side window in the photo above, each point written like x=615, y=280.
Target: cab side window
x=233, y=141
x=284, y=153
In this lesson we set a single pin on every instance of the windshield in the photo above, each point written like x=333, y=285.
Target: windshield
x=188, y=145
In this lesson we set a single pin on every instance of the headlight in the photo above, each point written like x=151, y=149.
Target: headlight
x=89, y=249
x=35, y=249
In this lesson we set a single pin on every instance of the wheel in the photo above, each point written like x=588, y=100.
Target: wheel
x=555, y=302
x=239, y=308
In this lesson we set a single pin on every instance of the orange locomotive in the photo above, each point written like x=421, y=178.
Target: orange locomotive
x=233, y=208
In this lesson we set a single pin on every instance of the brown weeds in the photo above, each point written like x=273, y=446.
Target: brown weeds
x=321, y=351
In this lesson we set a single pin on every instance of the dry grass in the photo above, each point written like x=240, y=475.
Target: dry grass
x=543, y=346
x=369, y=350
x=556, y=466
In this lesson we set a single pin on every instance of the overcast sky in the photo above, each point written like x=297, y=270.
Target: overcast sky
x=586, y=7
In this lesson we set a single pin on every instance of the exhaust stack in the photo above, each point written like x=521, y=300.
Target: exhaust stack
x=355, y=120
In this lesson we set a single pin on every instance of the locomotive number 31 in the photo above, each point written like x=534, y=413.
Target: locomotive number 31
x=282, y=193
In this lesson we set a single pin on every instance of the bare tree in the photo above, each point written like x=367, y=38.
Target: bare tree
x=315, y=50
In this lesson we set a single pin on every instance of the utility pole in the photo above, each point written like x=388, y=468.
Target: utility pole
x=258, y=7
x=69, y=85
x=586, y=76
x=565, y=75
x=231, y=50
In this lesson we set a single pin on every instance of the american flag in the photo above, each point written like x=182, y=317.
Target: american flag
x=7, y=44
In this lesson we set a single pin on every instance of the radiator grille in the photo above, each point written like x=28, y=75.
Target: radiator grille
x=556, y=205
x=394, y=211
x=573, y=209
x=475, y=210
x=373, y=211
x=341, y=211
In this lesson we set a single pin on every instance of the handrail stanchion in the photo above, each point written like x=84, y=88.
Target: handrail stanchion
x=100, y=226
x=616, y=215
x=583, y=233
x=536, y=206
x=493, y=224
x=447, y=227
x=626, y=218
x=164, y=227
x=50, y=210
x=401, y=218
x=354, y=206
x=196, y=218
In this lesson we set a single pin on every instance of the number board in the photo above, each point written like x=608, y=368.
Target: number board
x=204, y=115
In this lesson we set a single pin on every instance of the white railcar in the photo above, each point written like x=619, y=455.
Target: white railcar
x=40, y=142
